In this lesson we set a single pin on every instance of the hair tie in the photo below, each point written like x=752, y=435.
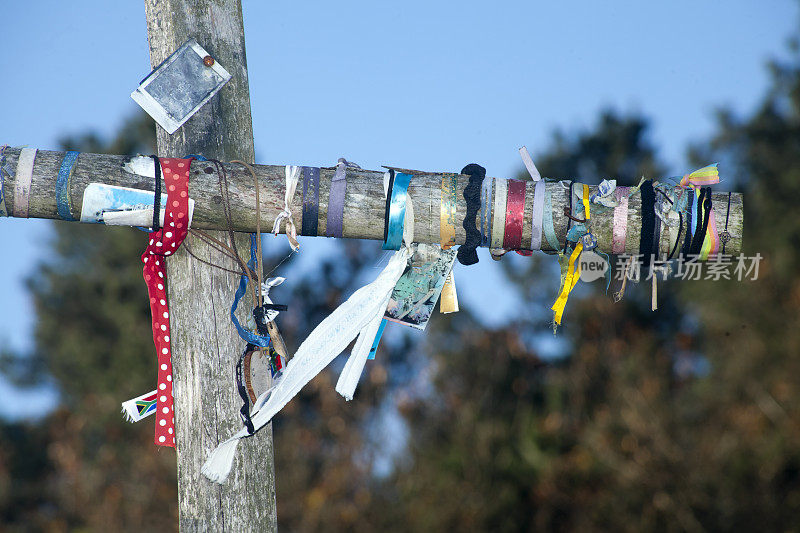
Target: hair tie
x=63, y=186
x=515, y=208
x=310, y=201
x=647, y=235
x=165, y=242
x=447, y=211
x=472, y=194
x=22, y=181
x=395, y=210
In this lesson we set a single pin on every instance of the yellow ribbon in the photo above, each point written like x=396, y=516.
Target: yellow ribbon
x=586, y=200
x=571, y=279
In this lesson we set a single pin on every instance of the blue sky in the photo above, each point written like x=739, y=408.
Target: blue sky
x=431, y=85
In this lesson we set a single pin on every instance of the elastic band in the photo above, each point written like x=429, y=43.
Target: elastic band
x=538, y=214
x=486, y=211
x=62, y=186
x=472, y=195
x=498, y=218
x=396, y=213
x=244, y=411
x=447, y=211
x=157, y=195
x=22, y=181
x=336, y=200
x=310, y=201
x=515, y=210
x=648, y=222
x=620, y=227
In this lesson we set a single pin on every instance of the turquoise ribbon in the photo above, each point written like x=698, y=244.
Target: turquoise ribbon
x=377, y=339
x=397, y=211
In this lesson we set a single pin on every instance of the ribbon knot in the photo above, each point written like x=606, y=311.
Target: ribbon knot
x=701, y=178
x=292, y=176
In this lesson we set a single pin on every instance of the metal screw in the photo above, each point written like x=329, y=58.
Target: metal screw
x=208, y=61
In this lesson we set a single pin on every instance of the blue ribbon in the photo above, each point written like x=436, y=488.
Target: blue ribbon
x=377, y=339
x=397, y=212
x=62, y=186
x=247, y=335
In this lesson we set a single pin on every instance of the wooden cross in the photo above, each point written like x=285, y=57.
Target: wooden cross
x=204, y=342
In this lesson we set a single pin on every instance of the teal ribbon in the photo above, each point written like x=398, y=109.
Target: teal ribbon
x=377, y=340
x=397, y=211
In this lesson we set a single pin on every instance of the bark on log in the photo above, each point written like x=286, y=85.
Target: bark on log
x=364, y=201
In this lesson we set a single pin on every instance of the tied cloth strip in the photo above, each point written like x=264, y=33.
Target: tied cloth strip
x=467, y=254
x=334, y=227
x=515, y=209
x=140, y=407
x=573, y=268
x=620, y=224
x=22, y=181
x=165, y=242
x=711, y=240
x=360, y=316
x=292, y=177
x=547, y=223
x=310, y=201
x=63, y=186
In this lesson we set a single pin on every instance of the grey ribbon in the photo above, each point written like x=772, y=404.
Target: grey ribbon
x=486, y=212
x=336, y=198
x=538, y=214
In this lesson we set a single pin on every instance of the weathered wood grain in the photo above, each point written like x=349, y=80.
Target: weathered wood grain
x=205, y=343
x=364, y=201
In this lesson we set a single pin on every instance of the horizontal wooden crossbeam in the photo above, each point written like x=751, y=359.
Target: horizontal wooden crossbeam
x=364, y=201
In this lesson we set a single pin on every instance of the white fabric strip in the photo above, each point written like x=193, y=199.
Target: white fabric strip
x=292, y=177
x=22, y=181
x=532, y=170
x=499, y=212
x=538, y=215
x=355, y=316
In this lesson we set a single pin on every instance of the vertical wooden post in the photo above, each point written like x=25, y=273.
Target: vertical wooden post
x=205, y=344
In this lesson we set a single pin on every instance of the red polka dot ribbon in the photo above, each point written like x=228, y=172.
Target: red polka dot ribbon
x=162, y=243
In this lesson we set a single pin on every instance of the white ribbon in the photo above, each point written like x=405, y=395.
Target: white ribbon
x=357, y=316
x=292, y=177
